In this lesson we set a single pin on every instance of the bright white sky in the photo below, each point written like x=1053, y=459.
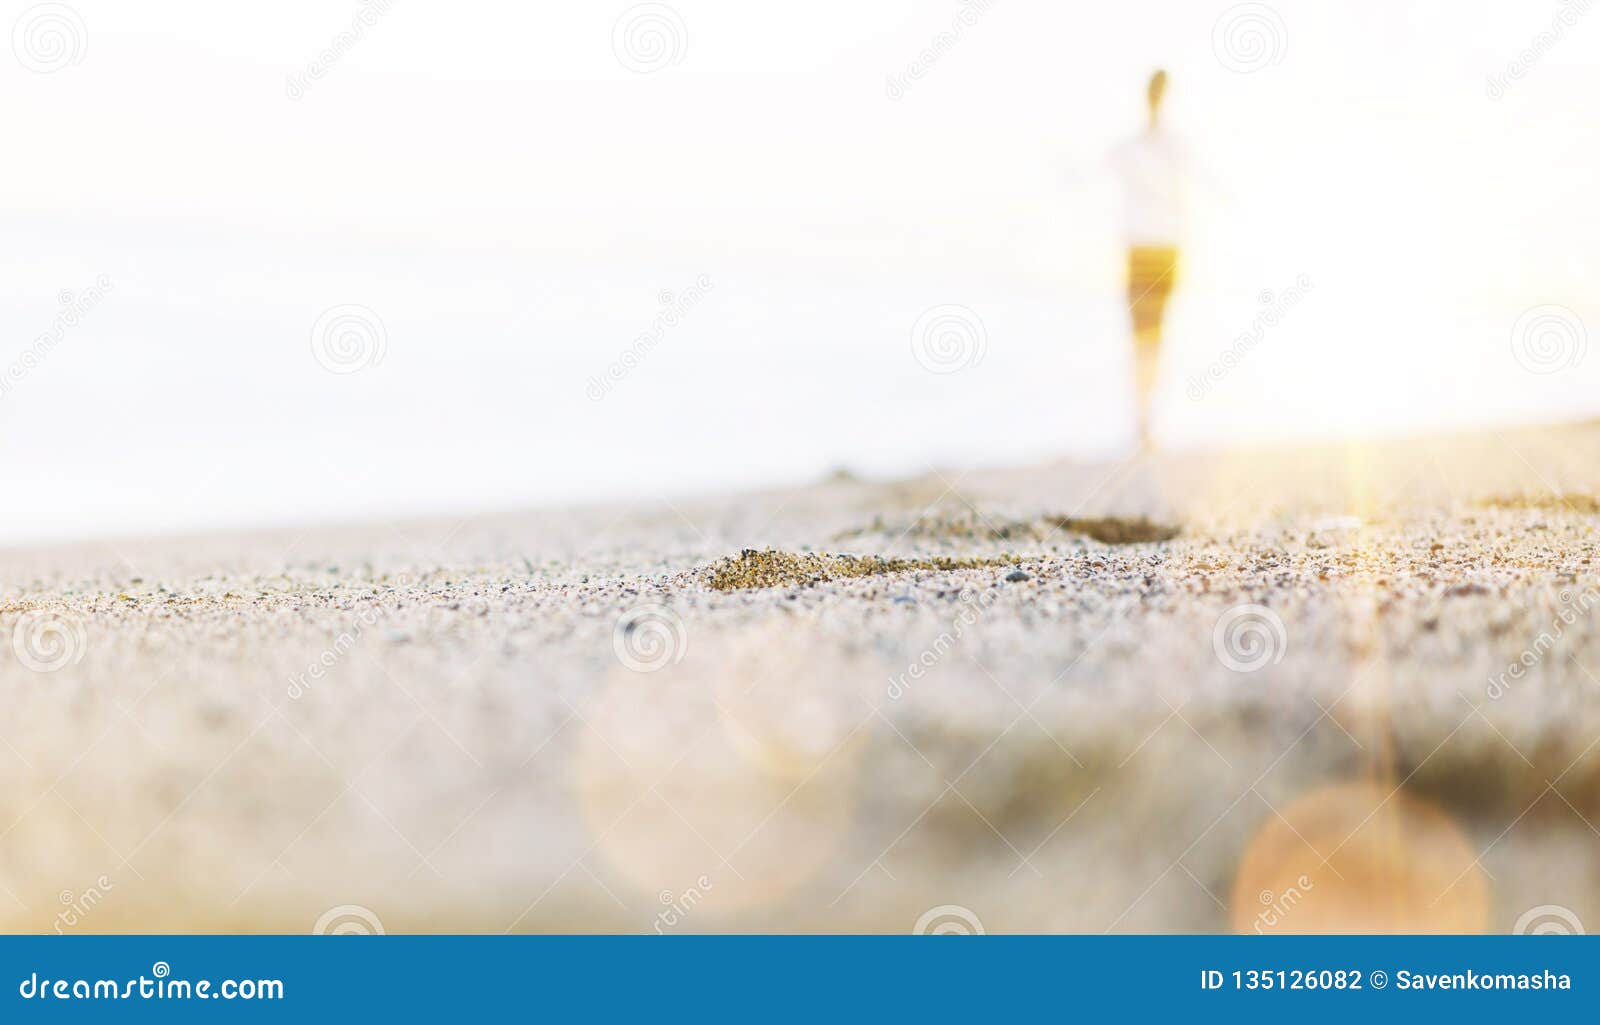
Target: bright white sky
x=511, y=199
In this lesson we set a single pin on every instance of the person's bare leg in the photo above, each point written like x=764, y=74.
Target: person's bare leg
x=1146, y=364
x=1150, y=279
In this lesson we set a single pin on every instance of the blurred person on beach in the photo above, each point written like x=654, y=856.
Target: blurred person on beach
x=1150, y=168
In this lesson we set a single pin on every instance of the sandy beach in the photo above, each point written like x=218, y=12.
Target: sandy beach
x=1345, y=686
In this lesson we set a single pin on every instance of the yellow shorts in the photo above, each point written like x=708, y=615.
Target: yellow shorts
x=1152, y=271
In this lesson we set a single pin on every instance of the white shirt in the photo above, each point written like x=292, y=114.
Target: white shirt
x=1150, y=167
